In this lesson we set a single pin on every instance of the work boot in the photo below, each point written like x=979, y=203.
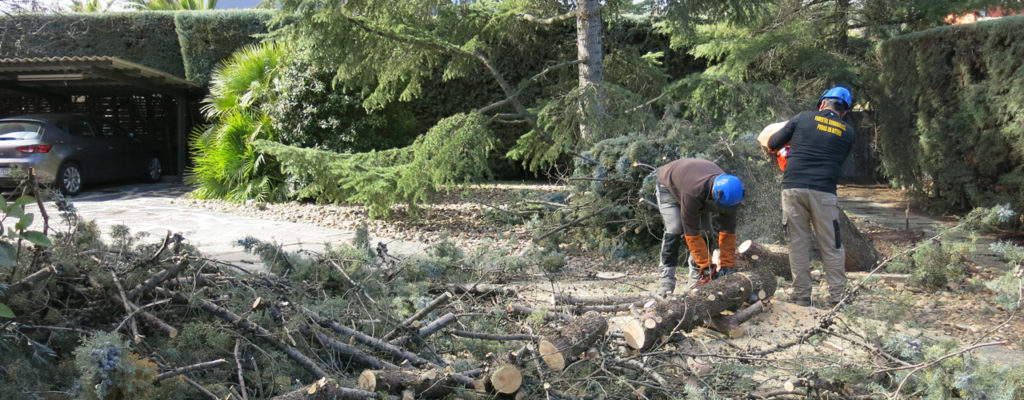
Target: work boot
x=667, y=282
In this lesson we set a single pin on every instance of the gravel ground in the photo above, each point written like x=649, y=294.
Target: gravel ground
x=468, y=217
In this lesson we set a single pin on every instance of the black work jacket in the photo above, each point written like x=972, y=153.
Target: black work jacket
x=819, y=143
x=689, y=180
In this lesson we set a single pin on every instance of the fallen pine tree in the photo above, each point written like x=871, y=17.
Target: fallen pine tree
x=158, y=320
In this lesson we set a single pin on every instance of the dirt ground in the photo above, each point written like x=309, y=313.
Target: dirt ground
x=961, y=311
x=964, y=310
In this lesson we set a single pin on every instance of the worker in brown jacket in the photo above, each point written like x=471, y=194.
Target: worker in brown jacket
x=691, y=192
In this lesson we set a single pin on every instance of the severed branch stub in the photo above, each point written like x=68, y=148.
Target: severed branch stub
x=572, y=340
x=699, y=306
x=730, y=324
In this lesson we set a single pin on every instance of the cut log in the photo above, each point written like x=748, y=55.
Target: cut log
x=699, y=306
x=753, y=255
x=861, y=255
x=430, y=383
x=476, y=289
x=327, y=389
x=730, y=324
x=504, y=379
x=572, y=340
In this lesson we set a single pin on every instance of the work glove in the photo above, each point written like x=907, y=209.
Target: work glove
x=706, y=274
x=701, y=257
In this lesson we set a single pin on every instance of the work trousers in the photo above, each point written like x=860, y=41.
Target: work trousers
x=808, y=214
x=672, y=238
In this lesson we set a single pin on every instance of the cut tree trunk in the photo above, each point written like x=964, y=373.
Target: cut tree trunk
x=861, y=255
x=504, y=379
x=753, y=255
x=430, y=383
x=572, y=340
x=699, y=306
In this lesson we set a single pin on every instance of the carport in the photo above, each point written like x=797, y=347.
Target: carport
x=153, y=104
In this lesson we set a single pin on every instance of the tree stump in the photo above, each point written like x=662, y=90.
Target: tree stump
x=699, y=306
x=572, y=340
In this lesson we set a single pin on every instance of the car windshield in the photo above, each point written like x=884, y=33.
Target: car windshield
x=15, y=130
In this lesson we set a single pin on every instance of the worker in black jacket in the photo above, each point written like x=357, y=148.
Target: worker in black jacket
x=819, y=143
x=690, y=192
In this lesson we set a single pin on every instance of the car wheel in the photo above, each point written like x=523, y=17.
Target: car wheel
x=69, y=179
x=154, y=170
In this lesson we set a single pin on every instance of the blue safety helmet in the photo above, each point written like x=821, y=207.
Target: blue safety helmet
x=838, y=92
x=727, y=190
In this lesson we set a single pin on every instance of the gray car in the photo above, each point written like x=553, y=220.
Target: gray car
x=68, y=150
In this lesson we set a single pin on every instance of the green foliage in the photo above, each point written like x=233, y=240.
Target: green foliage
x=183, y=44
x=963, y=377
x=935, y=264
x=226, y=165
x=109, y=370
x=561, y=118
x=723, y=105
x=307, y=110
x=1008, y=289
x=172, y=4
x=990, y=219
x=453, y=152
x=210, y=37
x=949, y=127
x=147, y=38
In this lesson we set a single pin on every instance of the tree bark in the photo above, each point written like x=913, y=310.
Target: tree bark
x=699, y=306
x=327, y=390
x=753, y=255
x=861, y=255
x=562, y=348
x=589, y=50
x=730, y=324
x=430, y=383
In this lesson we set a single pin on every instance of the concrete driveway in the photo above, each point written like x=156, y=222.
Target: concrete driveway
x=149, y=208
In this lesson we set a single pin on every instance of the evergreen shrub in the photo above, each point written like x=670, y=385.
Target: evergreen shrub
x=209, y=37
x=308, y=110
x=145, y=38
x=949, y=111
x=186, y=44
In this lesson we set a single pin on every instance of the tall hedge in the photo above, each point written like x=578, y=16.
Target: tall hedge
x=187, y=44
x=951, y=116
x=145, y=38
x=208, y=37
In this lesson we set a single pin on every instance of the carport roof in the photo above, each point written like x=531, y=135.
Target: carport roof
x=86, y=75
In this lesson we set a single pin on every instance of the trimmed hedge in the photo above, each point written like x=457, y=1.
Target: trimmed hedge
x=209, y=37
x=140, y=37
x=187, y=44
x=951, y=120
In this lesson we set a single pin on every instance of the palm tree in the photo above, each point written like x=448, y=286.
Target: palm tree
x=171, y=4
x=92, y=5
x=226, y=164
